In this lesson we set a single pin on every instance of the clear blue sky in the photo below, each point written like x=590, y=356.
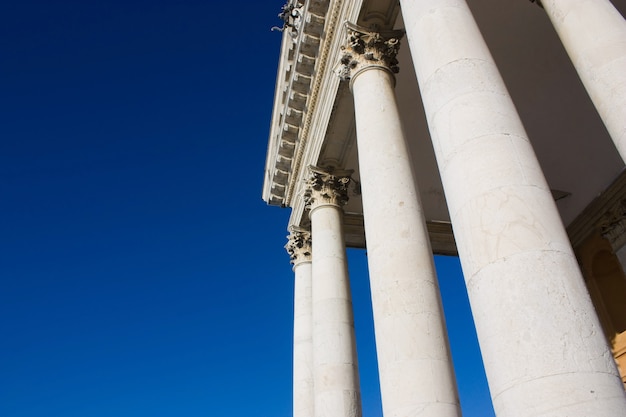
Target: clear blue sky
x=141, y=274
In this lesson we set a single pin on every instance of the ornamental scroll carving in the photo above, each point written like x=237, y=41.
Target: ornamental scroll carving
x=613, y=225
x=299, y=245
x=366, y=48
x=327, y=186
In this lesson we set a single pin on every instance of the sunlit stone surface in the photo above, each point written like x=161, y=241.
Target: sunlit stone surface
x=488, y=147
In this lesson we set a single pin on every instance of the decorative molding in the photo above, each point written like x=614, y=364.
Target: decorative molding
x=327, y=186
x=314, y=95
x=303, y=31
x=365, y=49
x=298, y=245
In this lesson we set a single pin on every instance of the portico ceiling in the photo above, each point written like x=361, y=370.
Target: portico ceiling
x=577, y=155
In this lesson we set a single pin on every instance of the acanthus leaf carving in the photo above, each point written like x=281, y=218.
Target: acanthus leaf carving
x=327, y=186
x=365, y=48
x=299, y=245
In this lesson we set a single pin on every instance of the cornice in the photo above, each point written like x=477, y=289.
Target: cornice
x=299, y=52
x=323, y=67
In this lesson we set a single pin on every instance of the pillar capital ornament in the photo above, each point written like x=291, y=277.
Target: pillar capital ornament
x=327, y=186
x=299, y=245
x=365, y=48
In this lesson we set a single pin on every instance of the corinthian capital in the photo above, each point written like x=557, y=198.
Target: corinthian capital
x=299, y=245
x=365, y=48
x=327, y=186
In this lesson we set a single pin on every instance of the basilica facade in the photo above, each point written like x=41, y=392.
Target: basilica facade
x=492, y=130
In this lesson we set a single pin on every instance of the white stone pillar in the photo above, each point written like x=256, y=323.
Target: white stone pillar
x=299, y=248
x=415, y=367
x=336, y=377
x=542, y=345
x=594, y=35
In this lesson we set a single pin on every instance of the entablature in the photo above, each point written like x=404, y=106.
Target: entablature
x=302, y=34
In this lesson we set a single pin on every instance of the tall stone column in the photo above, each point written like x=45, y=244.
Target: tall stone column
x=299, y=249
x=416, y=373
x=336, y=377
x=594, y=35
x=542, y=344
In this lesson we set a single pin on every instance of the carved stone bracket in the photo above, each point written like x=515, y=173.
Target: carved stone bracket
x=299, y=245
x=327, y=186
x=365, y=48
x=613, y=225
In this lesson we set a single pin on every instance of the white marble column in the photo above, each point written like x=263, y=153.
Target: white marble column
x=416, y=372
x=542, y=345
x=594, y=35
x=299, y=249
x=336, y=377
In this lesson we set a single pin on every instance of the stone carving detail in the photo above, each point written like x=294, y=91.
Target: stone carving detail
x=613, y=225
x=365, y=48
x=298, y=245
x=327, y=186
x=291, y=15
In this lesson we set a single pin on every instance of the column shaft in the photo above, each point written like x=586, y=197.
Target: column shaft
x=543, y=348
x=303, y=393
x=594, y=35
x=416, y=373
x=299, y=249
x=336, y=377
